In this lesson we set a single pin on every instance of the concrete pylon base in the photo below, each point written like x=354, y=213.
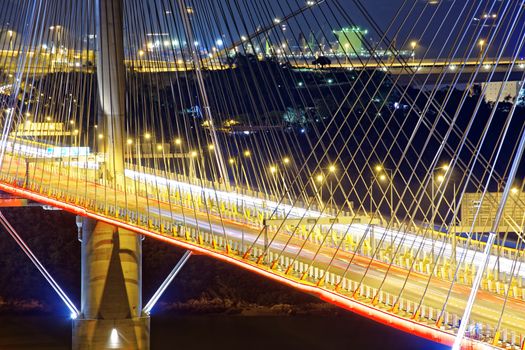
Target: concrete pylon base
x=129, y=334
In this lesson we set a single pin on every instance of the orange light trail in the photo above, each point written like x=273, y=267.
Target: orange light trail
x=381, y=316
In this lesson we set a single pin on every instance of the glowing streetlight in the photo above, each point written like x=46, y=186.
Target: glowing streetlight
x=211, y=147
x=481, y=44
x=413, y=45
x=231, y=161
x=378, y=168
x=440, y=178
x=194, y=154
x=319, y=178
x=129, y=142
x=286, y=160
x=382, y=177
x=178, y=141
x=273, y=169
x=514, y=190
x=332, y=168
x=147, y=136
x=247, y=153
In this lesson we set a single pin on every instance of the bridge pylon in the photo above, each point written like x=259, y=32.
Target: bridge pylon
x=111, y=315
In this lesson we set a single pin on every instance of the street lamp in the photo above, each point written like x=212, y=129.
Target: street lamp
x=440, y=179
x=380, y=175
x=481, y=44
x=413, y=45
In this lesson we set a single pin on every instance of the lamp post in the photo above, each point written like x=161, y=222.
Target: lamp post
x=440, y=180
x=332, y=169
x=413, y=45
x=481, y=45
x=379, y=174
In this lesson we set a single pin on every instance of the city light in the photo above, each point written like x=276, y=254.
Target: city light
x=247, y=153
x=273, y=169
x=440, y=178
x=231, y=161
x=147, y=136
x=514, y=190
x=129, y=142
x=332, y=168
x=211, y=147
x=382, y=178
x=286, y=160
x=194, y=154
x=178, y=141
x=378, y=168
x=319, y=178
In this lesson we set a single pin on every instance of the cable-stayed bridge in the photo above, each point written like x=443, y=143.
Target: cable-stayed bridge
x=362, y=179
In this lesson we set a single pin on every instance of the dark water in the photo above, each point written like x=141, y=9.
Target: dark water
x=45, y=332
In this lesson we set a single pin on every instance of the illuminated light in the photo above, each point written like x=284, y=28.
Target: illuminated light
x=72, y=122
x=481, y=42
x=514, y=190
x=159, y=147
x=276, y=20
x=440, y=178
x=231, y=161
x=100, y=136
x=129, y=141
x=486, y=66
x=73, y=316
x=76, y=131
x=211, y=147
x=10, y=33
x=219, y=42
x=49, y=119
x=319, y=178
x=147, y=136
x=28, y=114
x=378, y=168
x=332, y=168
x=330, y=81
x=113, y=338
x=300, y=84
x=286, y=160
x=247, y=153
x=167, y=43
x=141, y=53
x=452, y=67
x=445, y=167
x=194, y=154
x=413, y=45
x=178, y=141
x=366, y=310
x=273, y=169
x=382, y=177
x=243, y=38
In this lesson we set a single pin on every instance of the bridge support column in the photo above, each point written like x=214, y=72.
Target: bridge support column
x=111, y=302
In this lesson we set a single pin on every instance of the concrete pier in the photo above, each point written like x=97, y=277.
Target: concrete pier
x=111, y=303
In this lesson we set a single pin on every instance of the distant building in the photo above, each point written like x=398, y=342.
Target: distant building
x=511, y=90
x=350, y=40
